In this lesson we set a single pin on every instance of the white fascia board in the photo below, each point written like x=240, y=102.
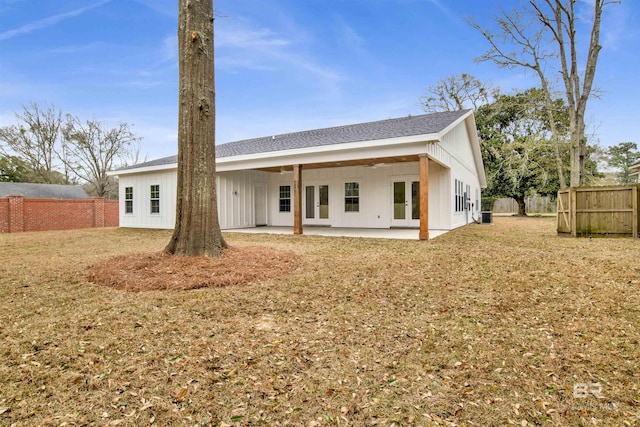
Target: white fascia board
x=312, y=153
x=155, y=168
x=407, y=145
x=470, y=122
x=472, y=130
x=326, y=157
x=454, y=124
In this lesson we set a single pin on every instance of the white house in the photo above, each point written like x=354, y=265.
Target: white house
x=421, y=172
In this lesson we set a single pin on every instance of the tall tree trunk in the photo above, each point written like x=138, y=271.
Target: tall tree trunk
x=580, y=95
x=579, y=155
x=522, y=208
x=557, y=21
x=555, y=133
x=197, y=231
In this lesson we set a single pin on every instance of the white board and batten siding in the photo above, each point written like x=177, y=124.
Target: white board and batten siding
x=375, y=195
x=248, y=197
x=242, y=194
x=141, y=217
x=235, y=192
x=463, y=169
x=237, y=198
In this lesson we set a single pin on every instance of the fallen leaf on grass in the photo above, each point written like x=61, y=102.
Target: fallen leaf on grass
x=181, y=394
x=145, y=406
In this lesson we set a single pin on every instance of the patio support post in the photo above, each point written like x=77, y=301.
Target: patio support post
x=424, y=197
x=297, y=199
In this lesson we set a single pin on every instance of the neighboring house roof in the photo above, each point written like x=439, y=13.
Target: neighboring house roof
x=383, y=129
x=42, y=191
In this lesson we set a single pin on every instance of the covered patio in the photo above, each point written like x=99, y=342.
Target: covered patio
x=407, y=178
x=372, y=233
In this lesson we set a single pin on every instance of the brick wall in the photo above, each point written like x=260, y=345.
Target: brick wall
x=4, y=215
x=19, y=214
x=111, y=213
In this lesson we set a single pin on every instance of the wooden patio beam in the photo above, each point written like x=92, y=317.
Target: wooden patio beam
x=424, y=197
x=297, y=199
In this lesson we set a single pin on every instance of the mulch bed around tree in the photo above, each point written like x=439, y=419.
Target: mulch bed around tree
x=159, y=271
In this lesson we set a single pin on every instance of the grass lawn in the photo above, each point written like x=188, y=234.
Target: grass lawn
x=487, y=326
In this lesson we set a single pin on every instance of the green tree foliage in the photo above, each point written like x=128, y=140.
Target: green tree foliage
x=518, y=152
x=14, y=169
x=546, y=37
x=621, y=157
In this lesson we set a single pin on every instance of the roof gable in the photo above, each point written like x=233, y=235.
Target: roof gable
x=383, y=129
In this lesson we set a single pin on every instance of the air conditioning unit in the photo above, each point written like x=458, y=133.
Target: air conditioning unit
x=486, y=217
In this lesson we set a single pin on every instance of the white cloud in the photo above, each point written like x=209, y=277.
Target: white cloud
x=169, y=49
x=241, y=46
x=244, y=38
x=446, y=11
x=349, y=39
x=164, y=7
x=616, y=26
x=78, y=48
x=48, y=22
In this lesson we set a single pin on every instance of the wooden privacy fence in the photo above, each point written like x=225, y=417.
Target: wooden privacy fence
x=535, y=204
x=599, y=211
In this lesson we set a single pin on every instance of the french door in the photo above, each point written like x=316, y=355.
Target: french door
x=316, y=204
x=405, y=198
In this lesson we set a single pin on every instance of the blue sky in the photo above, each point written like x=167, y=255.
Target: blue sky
x=281, y=65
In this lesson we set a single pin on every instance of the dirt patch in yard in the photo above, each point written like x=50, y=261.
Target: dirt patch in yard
x=159, y=271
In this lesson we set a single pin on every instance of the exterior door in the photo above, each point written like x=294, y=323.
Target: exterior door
x=405, y=198
x=316, y=204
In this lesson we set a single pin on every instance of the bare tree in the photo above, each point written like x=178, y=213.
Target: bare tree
x=197, y=230
x=542, y=36
x=90, y=150
x=458, y=93
x=34, y=140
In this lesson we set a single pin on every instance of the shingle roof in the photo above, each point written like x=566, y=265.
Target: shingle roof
x=390, y=128
x=42, y=191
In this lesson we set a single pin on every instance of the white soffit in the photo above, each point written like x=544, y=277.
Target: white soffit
x=385, y=147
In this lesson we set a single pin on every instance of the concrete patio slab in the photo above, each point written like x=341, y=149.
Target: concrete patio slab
x=375, y=233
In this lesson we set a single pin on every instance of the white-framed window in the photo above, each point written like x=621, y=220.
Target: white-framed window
x=285, y=198
x=467, y=198
x=352, y=197
x=155, y=199
x=459, y=197
x=128, y=200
